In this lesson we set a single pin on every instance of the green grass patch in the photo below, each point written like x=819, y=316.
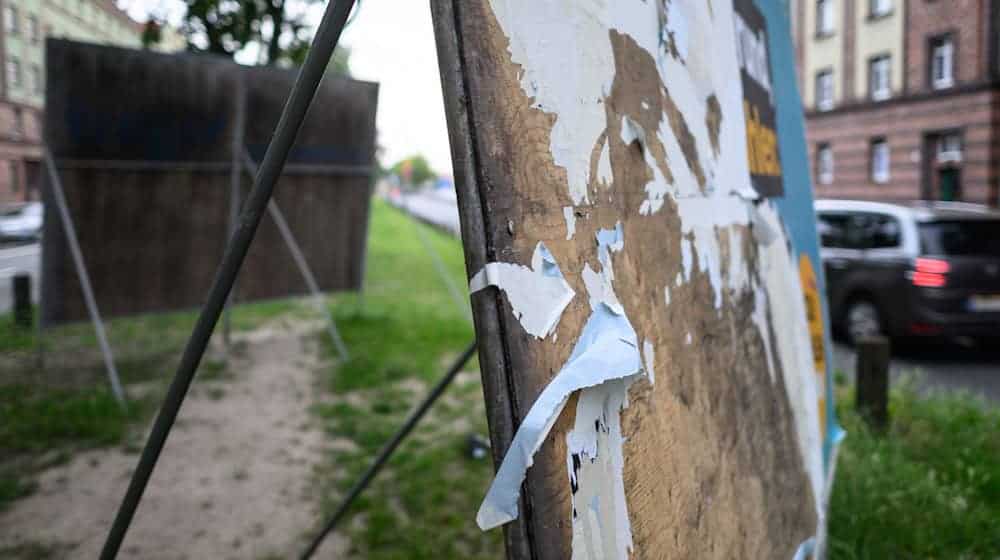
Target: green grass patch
x=402, y=334
x=406, y=323
x=33, y=419
x=927, y=488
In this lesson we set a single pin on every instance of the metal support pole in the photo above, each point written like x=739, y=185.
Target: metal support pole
x=872, y=382
x=461, y=300
x=388, y=449
x=81, y=272
x=291, y=120
x=301, y=263
x=21, y=288
x=235, y=186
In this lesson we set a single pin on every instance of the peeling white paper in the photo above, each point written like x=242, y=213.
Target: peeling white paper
x=607, y=349
x=537, y=295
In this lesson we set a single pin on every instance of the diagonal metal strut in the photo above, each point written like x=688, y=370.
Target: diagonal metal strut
x=294, y=113
x=388, y=449
x=300, y=261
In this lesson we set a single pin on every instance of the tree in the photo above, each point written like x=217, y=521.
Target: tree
x=414, y=170
x=279, y=26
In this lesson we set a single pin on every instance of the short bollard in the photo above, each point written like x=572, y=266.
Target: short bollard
x=872, y=383
x=22, y=301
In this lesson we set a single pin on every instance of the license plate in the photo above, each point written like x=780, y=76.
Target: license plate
x=984, y=303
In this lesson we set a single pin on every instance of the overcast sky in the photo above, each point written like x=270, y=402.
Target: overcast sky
x=391, y=42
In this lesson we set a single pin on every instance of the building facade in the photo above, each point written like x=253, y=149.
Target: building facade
x=902, y=98
x=24, y=26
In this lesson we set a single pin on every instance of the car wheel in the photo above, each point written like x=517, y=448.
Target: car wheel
x=862, y=320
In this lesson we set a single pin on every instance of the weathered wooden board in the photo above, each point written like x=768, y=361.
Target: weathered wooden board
x=637, y=218
x=144, y=146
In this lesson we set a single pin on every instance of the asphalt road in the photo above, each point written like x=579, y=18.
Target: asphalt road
x=14, y=260
x=938, y=367
x=439, y=208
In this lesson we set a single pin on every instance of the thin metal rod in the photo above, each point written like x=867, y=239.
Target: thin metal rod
x=81, y=273
x=300, y=261
x=461, y=300
x=291, y=120
x=388, y=449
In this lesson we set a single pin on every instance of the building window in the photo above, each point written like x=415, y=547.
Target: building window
x=880, y=160
x=942, y=64
x=824, y=17
x=13, y=73
x=949, y=147
x=18, y=122
x=824, y=90
x=34, y=30
x=824, y=164
x=879, y=76
x=15, y=176
x=37, y=85
x=879, y=8
x=10, y=21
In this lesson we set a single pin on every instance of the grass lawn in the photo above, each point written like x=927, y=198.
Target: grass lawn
x=928, y=488
x=403, y=333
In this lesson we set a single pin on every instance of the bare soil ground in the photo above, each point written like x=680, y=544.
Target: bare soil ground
x=234, y=481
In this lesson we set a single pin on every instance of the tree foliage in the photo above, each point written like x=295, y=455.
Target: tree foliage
x=279, y=26
x=414, y=170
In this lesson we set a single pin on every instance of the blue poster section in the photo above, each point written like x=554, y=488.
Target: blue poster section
x=795, y=205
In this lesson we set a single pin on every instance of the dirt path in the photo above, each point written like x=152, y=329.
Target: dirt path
x=234, y=480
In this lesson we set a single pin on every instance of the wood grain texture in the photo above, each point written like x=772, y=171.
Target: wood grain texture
x=153, y=234
x=712, y=468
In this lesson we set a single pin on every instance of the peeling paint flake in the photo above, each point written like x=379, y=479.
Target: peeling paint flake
x=537, y=295
x=606, y=350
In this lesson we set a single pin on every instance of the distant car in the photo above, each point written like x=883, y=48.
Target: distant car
x=22, y=223
x=911, y=270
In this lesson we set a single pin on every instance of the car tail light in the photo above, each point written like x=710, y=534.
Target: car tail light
x=930, y=273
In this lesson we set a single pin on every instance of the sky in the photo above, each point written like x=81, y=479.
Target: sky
x=391, y=42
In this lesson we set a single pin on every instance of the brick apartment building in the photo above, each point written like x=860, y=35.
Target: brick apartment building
x=902, y=97
x=24, y=25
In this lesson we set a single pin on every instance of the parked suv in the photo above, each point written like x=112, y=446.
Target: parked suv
x=922, y=269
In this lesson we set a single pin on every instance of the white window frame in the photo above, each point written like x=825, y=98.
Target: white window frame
x=824, y=90
x=880, y=77
x=880, y=158
x=879, y=8
x=13, y=73
x=35, y=73
x=943, y=51
x=11, y=24
x=34, y=28
x=949, y=147
x=824, y=17
x=824, y=164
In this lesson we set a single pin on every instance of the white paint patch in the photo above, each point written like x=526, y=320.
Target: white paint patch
x=537, y=295
x=782, y=289
x=570, y=217
x=687, y=339
x=604, y=173
x=595, y=462
x=649, y=359
x=666, y=294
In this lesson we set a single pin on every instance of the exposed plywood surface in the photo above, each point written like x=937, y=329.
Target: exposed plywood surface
x=712, y=466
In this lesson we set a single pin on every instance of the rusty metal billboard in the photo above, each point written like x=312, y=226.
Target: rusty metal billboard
x=145, y=145
x=637, y=218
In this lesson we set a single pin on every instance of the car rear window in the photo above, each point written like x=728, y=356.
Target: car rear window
x=981, y=238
